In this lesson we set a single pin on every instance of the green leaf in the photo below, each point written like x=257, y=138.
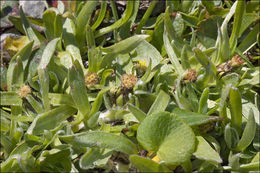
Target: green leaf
x=57, y=99
x=208, y=30
x=101, y=15
x=126, y=15
x=239, y=13
x=14, y=117
x=35, y=104
x=205, y=152
x=249, y=167
x=125, y=46
x=17, y=75
x=68, y=33
x=203, y=105
x=44, y=83
x=152, y=55
x=102, y=140
x=106, y=73
x=192, y=118
x=10, y=98
x=250, y=39
x=24, y=55
x=145, y=16
x=47, y=18
x=75, y=53
x=204, y=60
x=147, y=165
x=224, y=48
x=247, y=20
x=78, y=89
x=94, y=157
x=82, y=20
x=190, y=20
x=160, y=103
x=58, y=26
x=28, y=29
x=48, y=53
x=184, y=58
x=248, y=134
x=231, y=136
x=172, y=55
x=5, y=123
x=169, y=136
x=139, y=114
x=98, y=101
x=50, y=120
x=235, y=108
x=58, y=157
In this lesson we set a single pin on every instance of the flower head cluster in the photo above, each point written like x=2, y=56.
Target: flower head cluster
x=24, y=91
x=128, y=80
x=190, y=75
x=236, y=61
x=91, y=79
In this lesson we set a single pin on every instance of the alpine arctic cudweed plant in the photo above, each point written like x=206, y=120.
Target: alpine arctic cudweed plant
x=105, y=90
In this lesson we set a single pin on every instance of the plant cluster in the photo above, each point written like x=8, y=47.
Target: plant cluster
x=101, y=91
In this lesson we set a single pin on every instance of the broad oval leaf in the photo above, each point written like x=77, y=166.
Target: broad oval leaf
x=167, y=134
x=102, y=140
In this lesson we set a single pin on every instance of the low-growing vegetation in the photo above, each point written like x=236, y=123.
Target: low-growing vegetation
x=100, y=89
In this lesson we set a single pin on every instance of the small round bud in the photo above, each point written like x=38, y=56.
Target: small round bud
x=128, y=80
x=91, y=79
x=190, y=75
x=24, y=91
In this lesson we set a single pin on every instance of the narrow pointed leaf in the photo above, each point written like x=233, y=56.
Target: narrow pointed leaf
x=192, y=118
x=160, y=103
x=50, y=120
x=235, y=108
x=205, y=152
x=48, y=53
x=78, y=89
x=125, y=46
x=10, y=98
x=126, y=15
x=139, y=114
x=248, y=134
x=102, y=140
x=82, y=20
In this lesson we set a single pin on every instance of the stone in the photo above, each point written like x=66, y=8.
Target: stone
x=33, y=9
